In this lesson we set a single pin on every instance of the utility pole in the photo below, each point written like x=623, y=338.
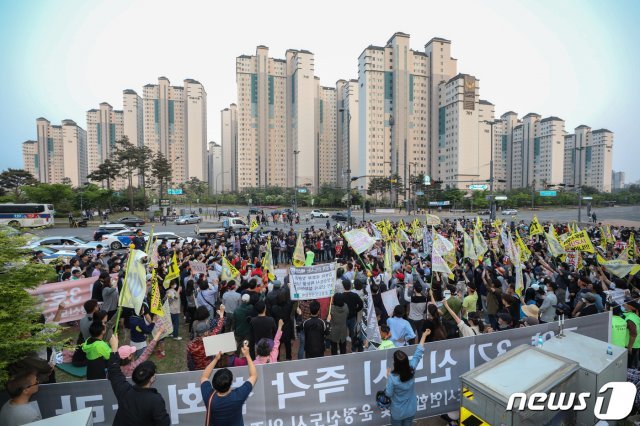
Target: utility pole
x=492, y=208
x=349, y=197
x=579, y=149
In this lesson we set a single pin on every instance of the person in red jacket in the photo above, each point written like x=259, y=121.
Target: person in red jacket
x=197, y=359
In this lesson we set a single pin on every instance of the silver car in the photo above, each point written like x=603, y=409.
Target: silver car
x=191, y=218
x=66, y=244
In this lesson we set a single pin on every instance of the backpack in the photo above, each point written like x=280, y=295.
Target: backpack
x=382, y=400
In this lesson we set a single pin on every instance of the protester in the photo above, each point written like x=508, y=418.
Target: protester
x=401, y=331
x=314, y=331
x=223, y=404
x=401, y=385
x=138, y=404
x=97, y=351
x=18, y=410
x=267, y=350
x=127, y=361
x=338, y=321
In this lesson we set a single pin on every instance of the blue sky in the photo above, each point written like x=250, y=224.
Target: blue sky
x=572, y=59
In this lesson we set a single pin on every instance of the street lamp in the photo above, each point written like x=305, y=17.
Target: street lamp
x=295, y=181
x=579, y=149
x=215, y=187
x=492, y=209
x=415, y=164
x=348, y=142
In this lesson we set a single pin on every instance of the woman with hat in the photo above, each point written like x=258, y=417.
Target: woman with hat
x=128, y=362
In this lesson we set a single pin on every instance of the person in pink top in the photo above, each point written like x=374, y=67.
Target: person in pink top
x=126, y=353
x=267, y=350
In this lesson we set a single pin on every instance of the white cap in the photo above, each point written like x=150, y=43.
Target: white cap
x=246, y=297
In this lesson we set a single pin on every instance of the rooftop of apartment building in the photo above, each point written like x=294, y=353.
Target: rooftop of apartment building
x=552, y=118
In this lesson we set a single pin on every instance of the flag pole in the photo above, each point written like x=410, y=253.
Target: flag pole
x=124, y=289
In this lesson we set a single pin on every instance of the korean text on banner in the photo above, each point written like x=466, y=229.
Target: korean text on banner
x=359, y=240
x=312, y=282
x=73, y=293
x=306, y=390
x=198, y=268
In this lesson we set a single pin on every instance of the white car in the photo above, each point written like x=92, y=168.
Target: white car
x=191, y=218
x=120, y=239
x=50, y=254
x=318, y=213
x=171, y=237
x=66, y=244
x=509, y=212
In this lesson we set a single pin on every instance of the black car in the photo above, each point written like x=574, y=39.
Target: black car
x=255, y=210
x=484, y=212
x=339, y=217
x=131, y=221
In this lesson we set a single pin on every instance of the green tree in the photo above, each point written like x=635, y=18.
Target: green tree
x=20, y=331
x=195, y=189
x=13, y=180
x=106, y=172
x=161, y=171
x=127, y=156
x=60, y=195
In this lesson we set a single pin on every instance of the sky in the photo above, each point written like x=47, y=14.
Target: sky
x=572, y=59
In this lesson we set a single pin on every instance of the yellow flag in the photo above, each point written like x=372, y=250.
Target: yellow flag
x=402, y=237
x=619, y=268
x=229, y=271
x=156, y=303
x=381, y=225
x=610, y=238
x=524, y=250
x=469, y=250
x=631, y=246
x=535, y=227
x=479, y=243
x=554, y=245
x=388, y=263
x=401, y=225
x=478, y=223
x=497, y=223
x=432, y=220
x=396, y=248
x=173, y=273
x=298, y=253
x=267, y=262
x=579, y=241
x=254, y=225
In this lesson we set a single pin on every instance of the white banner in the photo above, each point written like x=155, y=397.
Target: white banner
x=198, y=268
x=307, y=392
x=390, y=300
x=312, y=282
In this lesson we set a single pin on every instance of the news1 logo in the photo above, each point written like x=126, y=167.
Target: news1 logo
x=620, y=402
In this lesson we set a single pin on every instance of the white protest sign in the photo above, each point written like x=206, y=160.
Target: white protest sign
x=359, y=240
x=312, y=282
x=427, y=240
x=390, y=300
x=225, y=342
x=198, y=268
x=163, y=322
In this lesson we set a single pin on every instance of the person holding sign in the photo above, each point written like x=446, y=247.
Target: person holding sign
x=224, y=405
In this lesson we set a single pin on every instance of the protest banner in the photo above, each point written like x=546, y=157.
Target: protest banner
x=164, y=322
x=312, y=282
x=359, y=240
x=73, y=293
x=579, y=241
x=427, y=241
x=198, y=268
x=341, y=388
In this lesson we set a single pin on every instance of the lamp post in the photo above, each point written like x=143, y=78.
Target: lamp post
x=579, y=149
x=492, y=209
x=215, y=187
x=410, y=163
x=295, y=181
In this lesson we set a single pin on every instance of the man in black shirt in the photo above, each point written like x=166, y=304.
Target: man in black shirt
x=96, y=290
x=138, y=241
x=355, y=305
x=314, y=329
x=262, y=326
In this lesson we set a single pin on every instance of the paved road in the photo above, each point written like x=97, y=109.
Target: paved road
x=625, y=215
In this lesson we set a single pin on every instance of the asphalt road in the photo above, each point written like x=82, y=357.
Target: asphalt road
x=623, y=215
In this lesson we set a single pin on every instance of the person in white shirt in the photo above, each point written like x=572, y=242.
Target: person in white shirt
x=18, y=410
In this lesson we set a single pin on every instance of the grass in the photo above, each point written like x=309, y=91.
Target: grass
x=176, y=351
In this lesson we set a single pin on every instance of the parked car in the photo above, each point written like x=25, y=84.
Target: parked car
x=120, y=239
x=108, y=228
x=66, y=243
x=228, y=213
x=171, y=237
x=339, y=217
x=318, y=213
x=131, y=221
x=191, y=218
x=484, y=212
x=226, y=226
x=255, y=210
x=509, y=212
x=50, y=254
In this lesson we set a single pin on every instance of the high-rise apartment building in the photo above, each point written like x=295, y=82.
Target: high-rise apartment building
x=195, y=116
x=215, y=168
x=163, y=106
x=229, y=138
x=105, y=126
x=617, y=180
x=347, y=130
x=262, y=120
x=587, y=158
x=393, y=110
x=464, y=137
x=30, y=157
x=133, y=117
x=62, y=152
x=328, y=144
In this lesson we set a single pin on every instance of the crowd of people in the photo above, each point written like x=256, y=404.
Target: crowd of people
x=481, y=295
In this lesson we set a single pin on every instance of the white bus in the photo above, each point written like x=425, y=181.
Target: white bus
x=27, y=215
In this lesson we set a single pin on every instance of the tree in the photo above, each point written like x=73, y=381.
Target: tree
x=195, y=188
x=60, y=195
x=106, y=172
x=126, y=155
x=161, y=171
x=14, y=179
x=20, y=331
